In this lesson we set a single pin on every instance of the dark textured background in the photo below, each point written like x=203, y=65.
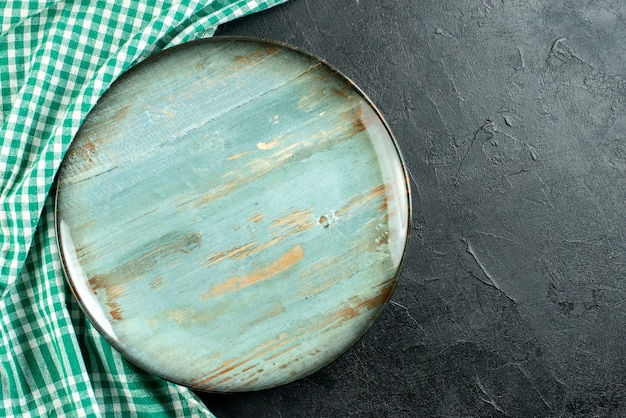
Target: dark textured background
x=511, y=118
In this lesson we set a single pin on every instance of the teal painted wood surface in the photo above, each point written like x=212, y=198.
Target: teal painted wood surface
x=233, y=214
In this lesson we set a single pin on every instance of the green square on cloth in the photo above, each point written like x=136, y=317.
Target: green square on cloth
x=56, y=59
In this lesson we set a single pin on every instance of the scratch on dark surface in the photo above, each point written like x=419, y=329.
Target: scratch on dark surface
x=496, y=236
x=575, y=241
x=532, y=383
x=441, y=118
x=478, y=300
x=308, y=10
x=406, y=310
x=412, y=178
x=450, y=77
x=488, y=124
x=558, y=379
x=489, y=399
x=491, y=281
x=545, y=194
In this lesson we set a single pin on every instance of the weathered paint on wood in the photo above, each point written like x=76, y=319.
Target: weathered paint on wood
x=233, y=215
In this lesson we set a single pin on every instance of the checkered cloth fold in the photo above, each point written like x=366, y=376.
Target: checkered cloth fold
x=56, y=59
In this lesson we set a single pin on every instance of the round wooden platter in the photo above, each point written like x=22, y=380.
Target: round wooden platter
x=233, y=214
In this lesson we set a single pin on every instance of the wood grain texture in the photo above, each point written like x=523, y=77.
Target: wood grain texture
x=233, y=215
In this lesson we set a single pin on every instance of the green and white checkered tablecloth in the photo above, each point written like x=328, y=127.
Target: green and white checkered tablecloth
x=56, y=59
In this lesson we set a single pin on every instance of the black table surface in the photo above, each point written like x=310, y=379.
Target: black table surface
x=511, y=118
